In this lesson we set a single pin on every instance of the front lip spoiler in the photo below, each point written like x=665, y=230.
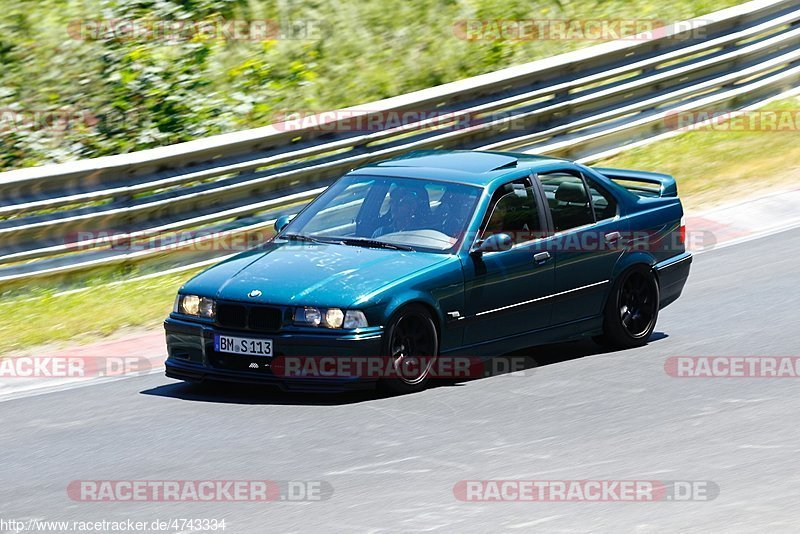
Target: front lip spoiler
x=196, y=373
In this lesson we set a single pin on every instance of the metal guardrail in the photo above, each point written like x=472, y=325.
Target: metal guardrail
x=72, y=218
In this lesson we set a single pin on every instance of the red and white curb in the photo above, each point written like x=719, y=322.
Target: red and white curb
x=37, y=372
x=744, y=220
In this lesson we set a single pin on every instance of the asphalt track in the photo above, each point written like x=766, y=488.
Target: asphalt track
x=393, y=461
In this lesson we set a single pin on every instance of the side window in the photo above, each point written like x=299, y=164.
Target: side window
x=605, y=205
x=568, y=201
x=516, y=214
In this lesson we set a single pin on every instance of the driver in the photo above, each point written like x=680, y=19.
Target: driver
x=404, y=212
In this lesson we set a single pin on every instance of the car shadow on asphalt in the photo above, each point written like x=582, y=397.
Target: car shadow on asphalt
x=524, y=362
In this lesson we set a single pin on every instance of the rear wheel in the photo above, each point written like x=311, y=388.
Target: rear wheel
x=411, y=344
x=631, y=311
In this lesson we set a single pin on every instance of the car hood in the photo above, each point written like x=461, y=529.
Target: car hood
x=309, y=273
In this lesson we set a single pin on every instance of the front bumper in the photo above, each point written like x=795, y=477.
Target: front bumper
x=191, y=356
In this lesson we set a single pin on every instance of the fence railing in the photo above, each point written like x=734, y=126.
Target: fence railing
x=68, y=219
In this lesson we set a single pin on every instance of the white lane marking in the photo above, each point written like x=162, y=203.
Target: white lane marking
x=744, y=239
x=33, y=392
x=359, y=469
x=536, y=522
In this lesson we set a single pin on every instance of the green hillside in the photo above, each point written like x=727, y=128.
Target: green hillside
x=125, y=92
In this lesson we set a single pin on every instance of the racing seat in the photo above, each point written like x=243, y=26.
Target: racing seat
x=571, y=208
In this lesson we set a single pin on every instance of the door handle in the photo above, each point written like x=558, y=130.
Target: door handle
x=541, y=257
x=612, y=237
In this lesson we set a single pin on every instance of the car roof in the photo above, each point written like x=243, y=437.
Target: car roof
x=470, y=167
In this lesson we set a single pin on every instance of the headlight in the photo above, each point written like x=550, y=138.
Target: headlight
x=329, y=317
x=334, y=318
x=196, y=306
x=308, y=316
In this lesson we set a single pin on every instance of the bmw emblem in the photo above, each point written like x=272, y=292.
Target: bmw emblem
x=254, y=293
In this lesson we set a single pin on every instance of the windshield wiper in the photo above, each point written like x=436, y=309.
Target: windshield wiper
x=373, y=243
x=301, y=237
x=355, y=241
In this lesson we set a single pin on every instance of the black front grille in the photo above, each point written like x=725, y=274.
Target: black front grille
x=258, y=318
x=232, y=315
x=264, y=318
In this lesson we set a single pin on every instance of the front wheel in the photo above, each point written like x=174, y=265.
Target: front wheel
x=411, y=343
x=631, y=311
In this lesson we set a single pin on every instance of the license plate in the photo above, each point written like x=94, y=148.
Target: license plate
x=243, y=345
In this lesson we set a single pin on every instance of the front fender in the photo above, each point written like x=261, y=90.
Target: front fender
x=440, y=288
x=410, y=297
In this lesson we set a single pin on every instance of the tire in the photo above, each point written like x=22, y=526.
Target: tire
x=411, y=343
x=631, y=310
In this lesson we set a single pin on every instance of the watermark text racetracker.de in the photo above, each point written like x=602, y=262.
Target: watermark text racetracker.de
x=231, y=491
x=179, y=30
x=585, y=490
x=45, y=120
x=443, y=367
x=60, y=120
x=58, y=366
x=376, y=120
x=733, y=366
x=192, y=241
x=710, y=120
x=601, y=29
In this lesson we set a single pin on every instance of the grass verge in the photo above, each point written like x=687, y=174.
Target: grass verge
x=717, y=165
x=46, y=316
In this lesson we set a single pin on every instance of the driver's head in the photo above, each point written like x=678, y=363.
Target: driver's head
x=403, y=202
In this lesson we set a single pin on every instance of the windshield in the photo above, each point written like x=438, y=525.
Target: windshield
x=405, y=212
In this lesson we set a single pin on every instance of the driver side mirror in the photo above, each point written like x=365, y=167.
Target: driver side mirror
x=281, y=222
x=493, y=243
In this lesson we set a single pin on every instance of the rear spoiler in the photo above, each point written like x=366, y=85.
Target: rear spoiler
x=664, y=184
